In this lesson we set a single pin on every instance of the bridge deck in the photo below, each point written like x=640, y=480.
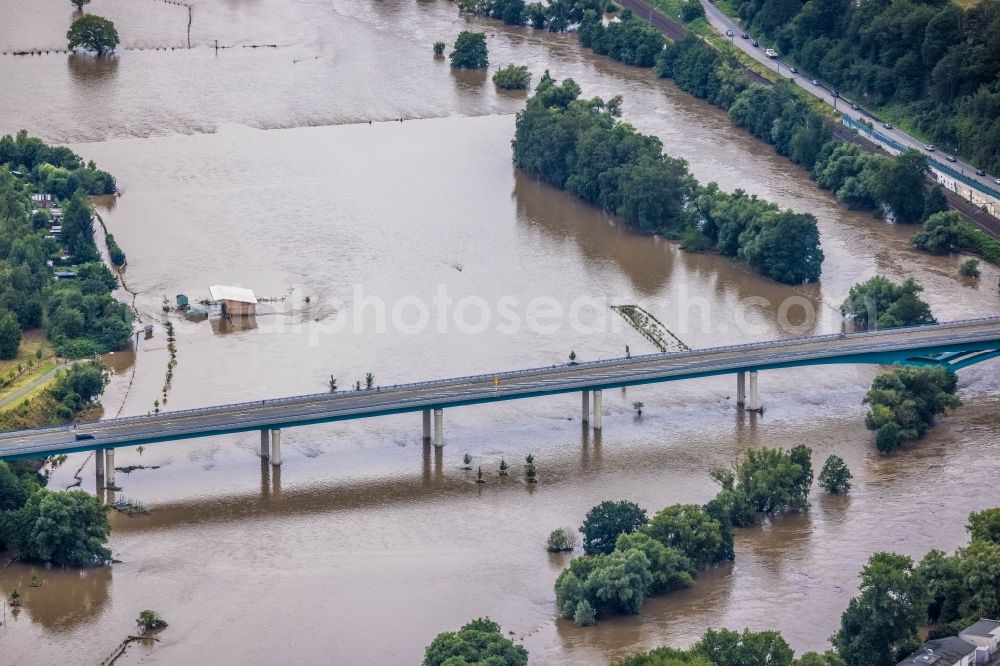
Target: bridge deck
x=876, y=347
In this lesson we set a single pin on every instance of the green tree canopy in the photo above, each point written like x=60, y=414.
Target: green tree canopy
x=985, y=525
x=689, y=529
x=767, y=481
x=892, y=603
x=478, y=643
x=10, y=335
x=606, y=521
x=512, y=77
x=93, y=33
x=724, y=647
x=835, y=477
x=670, y=568
x=470, y=51
x=882, y=302
x=904, y=401
x=66, y=528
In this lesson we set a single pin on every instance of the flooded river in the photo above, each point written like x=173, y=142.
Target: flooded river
x=414, y=250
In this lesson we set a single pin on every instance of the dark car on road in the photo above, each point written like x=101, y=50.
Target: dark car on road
x=980, y=172
x=855, y=107
x=834, y=93
x=756, y=43
x=815, y=82
x=82, y=436
x=793, y=70
x=745, y=36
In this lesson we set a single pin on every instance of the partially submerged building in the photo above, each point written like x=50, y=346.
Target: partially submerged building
x=233, y=301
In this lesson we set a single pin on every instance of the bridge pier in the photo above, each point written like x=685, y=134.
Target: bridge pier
x=439, y=428
x=427, y=425
x=586, y=407
x=99, y=467
x=275, y=447
x=109, y=463
x=265, y=444
x=754, y=403
x=741, y=389
x=598, y=409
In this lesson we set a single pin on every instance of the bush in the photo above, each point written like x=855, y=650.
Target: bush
x=512, y=77
x=835, y=477
x=115, y=253
x=694, y=240
x=969, y=268
x=584, y=615
x=149, y=621
x=904, y=401
x=439, y=48
x=692, y=10
x=562, y=540
x=478, y=642
x=606, y=521
x=670, y=568
x=470, y=51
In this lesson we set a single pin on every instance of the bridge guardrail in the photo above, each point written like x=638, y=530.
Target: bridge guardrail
x=529, y=371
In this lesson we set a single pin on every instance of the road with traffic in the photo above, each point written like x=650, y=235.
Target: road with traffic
x=722, y=23
x=977, y=339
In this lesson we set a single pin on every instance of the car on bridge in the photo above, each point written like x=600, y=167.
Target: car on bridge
x=83, y=436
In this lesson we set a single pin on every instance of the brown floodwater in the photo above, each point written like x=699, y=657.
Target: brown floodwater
x=259, y=168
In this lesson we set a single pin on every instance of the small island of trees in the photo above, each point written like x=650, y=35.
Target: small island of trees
x=512, y=77
x=470, y=51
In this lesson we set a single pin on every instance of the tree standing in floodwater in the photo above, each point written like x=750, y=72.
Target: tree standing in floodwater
x=94, y=34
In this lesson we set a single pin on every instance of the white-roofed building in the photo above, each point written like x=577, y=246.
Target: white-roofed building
x=234, y=301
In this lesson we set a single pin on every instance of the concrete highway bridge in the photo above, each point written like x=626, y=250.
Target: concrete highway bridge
x=953, y=345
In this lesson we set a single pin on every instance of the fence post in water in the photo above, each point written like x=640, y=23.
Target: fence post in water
x=741, y=388
x=586, y=407
x=276, y=446
x=438, y=427
x=754, y=397
x=598, y=408
x=110, y=464
x=265, y=444
x=427, y=425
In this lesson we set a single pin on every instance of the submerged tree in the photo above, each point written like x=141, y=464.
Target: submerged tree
x=470, y=51
x=835, y=477
x=93, y=33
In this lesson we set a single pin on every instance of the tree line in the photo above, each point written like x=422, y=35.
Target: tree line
x=629, y=557
x=79, y=315
x=64, y=528
x=879, y=627
x=774, y=114
x=933, y=62
x=580, y=145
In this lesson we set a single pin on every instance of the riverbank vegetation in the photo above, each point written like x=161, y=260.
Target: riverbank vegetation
x=71, y=396
x=579, y=145
x=776, y=115
x=64, y=528
x=932, y=65
x=478, y=642
x=77, y=311
x=629, y=558
x=946, y=232
x=512, y=77
x=904, y=401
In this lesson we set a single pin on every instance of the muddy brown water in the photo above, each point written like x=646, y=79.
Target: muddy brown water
x=258, y=167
